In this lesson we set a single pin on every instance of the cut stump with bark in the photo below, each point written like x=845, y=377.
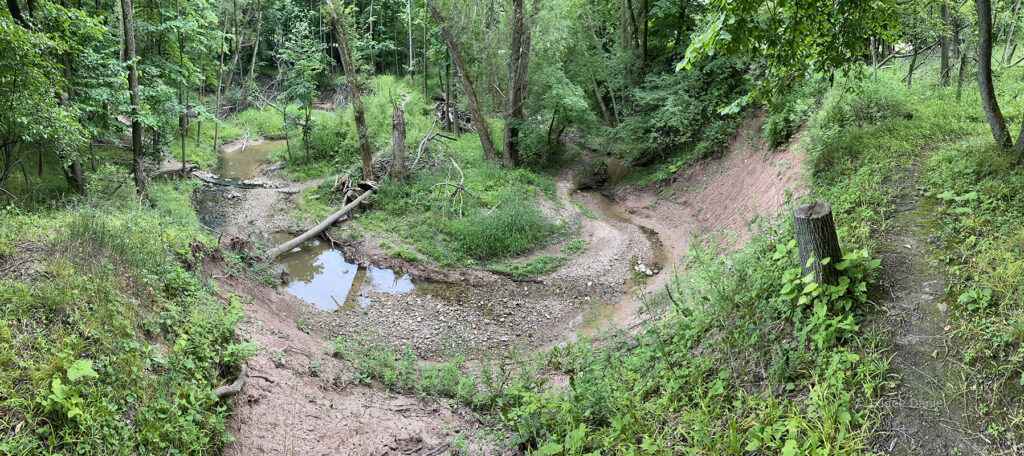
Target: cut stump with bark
x=816, y=239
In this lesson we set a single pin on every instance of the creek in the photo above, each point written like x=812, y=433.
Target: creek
x=321, y=275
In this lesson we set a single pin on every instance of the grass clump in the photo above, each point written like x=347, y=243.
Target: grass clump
x=113, y=343
x=536, y=266
x=517, y=228
x=978, y=189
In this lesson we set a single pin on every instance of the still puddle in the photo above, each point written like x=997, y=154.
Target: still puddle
x=244, y=162
x=320, y=275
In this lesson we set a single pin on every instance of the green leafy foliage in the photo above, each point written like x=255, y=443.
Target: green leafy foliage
x=679, y=112
x=791, y=40
x=688, y=369
x=115, y=326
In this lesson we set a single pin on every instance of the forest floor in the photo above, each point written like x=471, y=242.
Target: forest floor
x=312, y=409
x=927, y=415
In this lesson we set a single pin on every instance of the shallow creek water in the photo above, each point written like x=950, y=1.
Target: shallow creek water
x=320, y=274
x=244, y=162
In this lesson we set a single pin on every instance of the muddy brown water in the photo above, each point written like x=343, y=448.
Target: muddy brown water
x=244, y=162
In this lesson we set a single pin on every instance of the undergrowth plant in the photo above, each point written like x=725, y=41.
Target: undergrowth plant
x=110, y=341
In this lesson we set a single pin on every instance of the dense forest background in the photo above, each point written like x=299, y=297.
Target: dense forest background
x=606, y=70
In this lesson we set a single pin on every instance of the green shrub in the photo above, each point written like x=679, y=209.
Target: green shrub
x=511, y=228
x=790, y=110
x=536, y=266
x=115, y=344
x=679, y=112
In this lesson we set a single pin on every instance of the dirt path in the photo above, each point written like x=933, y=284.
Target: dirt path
x=927, y=418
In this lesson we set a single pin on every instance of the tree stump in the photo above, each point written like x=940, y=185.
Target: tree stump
x=816, y=239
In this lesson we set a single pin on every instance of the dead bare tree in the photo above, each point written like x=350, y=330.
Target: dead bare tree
x=397, y=169
x=479, y=122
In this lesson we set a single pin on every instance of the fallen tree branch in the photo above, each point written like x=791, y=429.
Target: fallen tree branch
x=437, y=450
x=287, y=246
x=457, y=189
x=426, y=139
x=234, y=388
x=176, y=170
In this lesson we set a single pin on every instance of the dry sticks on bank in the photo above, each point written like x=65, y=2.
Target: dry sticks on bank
x=447, y=191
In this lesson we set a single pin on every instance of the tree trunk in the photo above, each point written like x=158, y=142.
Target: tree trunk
x=615, y=107
x=913, y=63
x=944, y=45
x=960, y=76
x=479, y=122
x=15, y=10
x=220, y=75
x=955, y=45
x=645, y=6
x=425, y=73
x=1009, y=34
x=288, y=246
x=874, y=61
x=1018, y=147
x=397, y=169
x=239, y=37
x=182, y=124
x=514, y=105
x=353, y=86
x=373, y=47
x=408, y=23
x=133, y=87
x=256, y=45
x=73, y=173
x=76, y=176
x=600, y=101
x=988, y=94
x=816, y=240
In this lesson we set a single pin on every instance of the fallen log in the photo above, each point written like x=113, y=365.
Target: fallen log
x=176, y=169
x=287, y=246
x=234, y=388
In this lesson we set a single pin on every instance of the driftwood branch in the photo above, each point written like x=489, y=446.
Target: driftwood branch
x=287, y=246
x=457, y=189
x=234, y=388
